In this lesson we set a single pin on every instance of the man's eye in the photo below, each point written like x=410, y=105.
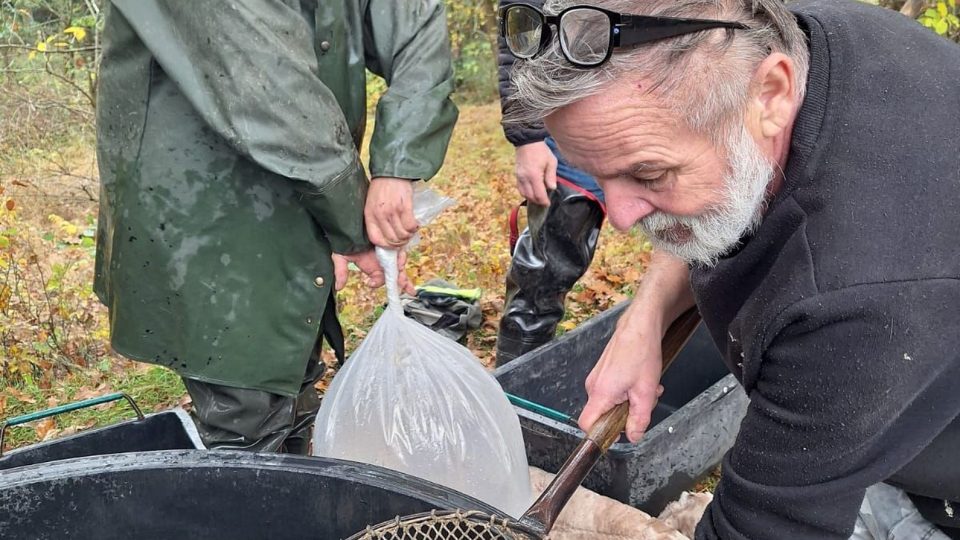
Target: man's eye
x=648, y=177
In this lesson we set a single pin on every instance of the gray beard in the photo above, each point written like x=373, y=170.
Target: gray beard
x=704, y=239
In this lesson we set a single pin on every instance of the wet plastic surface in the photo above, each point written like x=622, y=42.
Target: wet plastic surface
x=213, y=495
x=414, y=401
x=694, y=424
x=168, y=430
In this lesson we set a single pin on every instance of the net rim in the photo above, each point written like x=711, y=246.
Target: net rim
x=506, y=524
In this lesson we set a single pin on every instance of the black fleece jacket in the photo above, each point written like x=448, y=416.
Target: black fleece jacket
x=841, y=314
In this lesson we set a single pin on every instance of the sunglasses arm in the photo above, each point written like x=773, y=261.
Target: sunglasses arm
x=634, y=30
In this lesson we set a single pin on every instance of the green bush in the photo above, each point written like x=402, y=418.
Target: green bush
x=943, y=19
x=472, y=25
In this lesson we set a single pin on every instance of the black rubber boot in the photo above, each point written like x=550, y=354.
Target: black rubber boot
x=550, y=256
x=245, y=419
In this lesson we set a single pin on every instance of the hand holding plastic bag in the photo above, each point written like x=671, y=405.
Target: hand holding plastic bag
x=415, y=402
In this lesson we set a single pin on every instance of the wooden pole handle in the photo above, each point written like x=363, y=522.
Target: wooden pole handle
x=541, y=516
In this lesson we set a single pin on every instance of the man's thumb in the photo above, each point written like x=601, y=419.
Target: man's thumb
x=592, y=412
x=550, y=174
x=340, y=271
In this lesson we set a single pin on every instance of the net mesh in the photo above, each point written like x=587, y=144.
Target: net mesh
x=458, y=525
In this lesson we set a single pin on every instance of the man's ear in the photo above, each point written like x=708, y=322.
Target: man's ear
x=774, y=96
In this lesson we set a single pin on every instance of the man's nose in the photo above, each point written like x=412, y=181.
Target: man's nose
x=624, y=210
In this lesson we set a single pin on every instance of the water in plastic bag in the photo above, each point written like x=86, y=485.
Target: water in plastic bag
x=411, y=400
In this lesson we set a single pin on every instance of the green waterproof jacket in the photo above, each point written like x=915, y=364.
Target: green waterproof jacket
x=227, y=144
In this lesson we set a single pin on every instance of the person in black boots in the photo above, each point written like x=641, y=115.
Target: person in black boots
x=795, y=166
x=564, y=213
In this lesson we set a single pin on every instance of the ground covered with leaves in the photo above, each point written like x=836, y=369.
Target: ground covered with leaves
x=54, y=338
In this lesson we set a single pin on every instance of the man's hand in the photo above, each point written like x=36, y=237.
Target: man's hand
x=536, y=172
x=389, y=212
x=366, y=261
x=628, y=370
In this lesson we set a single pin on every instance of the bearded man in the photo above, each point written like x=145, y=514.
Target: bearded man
x=797, y=170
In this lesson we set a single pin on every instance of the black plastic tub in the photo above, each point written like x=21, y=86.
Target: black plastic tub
x=209, y=495
x=167, y=430
x=694, y=424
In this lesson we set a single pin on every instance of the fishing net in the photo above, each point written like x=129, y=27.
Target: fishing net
x=455, y=525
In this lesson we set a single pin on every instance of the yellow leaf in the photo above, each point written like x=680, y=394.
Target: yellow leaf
x=942, y=9
x=568, y=325
x=69, y=228
x=42, y=46
x=77, y=32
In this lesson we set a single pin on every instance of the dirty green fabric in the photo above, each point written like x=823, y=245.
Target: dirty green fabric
x=227, y=144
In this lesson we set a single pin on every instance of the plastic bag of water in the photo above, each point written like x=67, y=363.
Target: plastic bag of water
x=411, y=400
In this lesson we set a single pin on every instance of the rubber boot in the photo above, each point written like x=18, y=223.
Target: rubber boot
x=550, y=256
x=245, y=419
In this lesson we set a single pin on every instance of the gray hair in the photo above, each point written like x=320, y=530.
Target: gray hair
x=705, y=76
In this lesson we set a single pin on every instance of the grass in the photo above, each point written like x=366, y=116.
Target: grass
x=152, y=388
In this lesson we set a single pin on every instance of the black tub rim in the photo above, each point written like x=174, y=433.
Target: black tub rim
x=725, y=388
x=720, y=390
x=378, y=477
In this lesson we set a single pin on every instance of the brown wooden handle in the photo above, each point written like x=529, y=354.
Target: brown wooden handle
x=678, y=335
x=607, y=429
x=541, y=516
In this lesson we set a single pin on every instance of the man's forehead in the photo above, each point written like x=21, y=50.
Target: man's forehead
x=592, y=131
x=616, y=104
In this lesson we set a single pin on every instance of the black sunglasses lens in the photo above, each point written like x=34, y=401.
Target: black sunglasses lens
x=523, y=27
x=585, y=35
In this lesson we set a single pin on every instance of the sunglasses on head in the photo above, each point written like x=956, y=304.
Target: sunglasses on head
x=589, y=34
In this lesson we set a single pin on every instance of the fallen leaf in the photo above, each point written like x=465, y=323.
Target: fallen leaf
x=44, y=427
x=71, y=430
x=87, y=393
x=613, y=278
x=23, y=397
x=185, y=402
